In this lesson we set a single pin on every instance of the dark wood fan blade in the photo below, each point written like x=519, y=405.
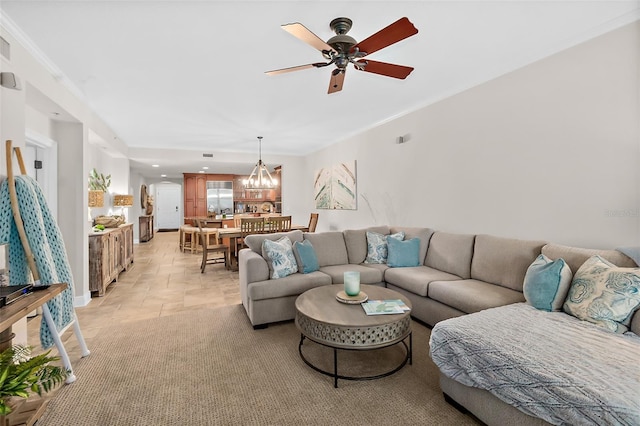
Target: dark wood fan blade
x=337, y=79
x=298, y=68
x=303, y=33
x=383, y=68
x=395, y=32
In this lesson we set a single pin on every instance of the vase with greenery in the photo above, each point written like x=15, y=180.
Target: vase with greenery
x=98, y=181
x=21, y=375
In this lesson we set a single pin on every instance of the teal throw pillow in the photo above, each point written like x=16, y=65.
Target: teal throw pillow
x=305, y=257
x=604, y=294
x=403, y=254
x=377, y=246
x=280, y=258
x=546, y=283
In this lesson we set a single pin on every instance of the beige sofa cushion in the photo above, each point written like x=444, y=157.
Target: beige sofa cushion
x=472, y=295
x=329, y=246
x=416, y=279
x=254, y=241
x=423, y=234
x=575, y=257
x=367, y=275
x=292, y=285
x=503, y=261
x=356, y=242
x=451, y=253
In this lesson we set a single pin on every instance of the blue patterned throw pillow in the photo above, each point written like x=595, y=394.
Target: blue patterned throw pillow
x=546, y=283
x=403, y=254
x=604, y=294
x=279, y=255
x=377, y=246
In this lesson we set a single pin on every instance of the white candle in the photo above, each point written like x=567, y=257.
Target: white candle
x=352, y=283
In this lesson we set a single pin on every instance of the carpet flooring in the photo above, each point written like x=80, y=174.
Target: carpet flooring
x=209, y=367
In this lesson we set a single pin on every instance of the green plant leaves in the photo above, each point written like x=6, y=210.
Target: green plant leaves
x=98, y=181
x=21, y=374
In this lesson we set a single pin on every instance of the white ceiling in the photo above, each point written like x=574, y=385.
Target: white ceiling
x=189, y=75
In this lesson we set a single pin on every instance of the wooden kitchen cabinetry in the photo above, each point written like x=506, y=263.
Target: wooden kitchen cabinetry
x=110, y=252
x=195, y=195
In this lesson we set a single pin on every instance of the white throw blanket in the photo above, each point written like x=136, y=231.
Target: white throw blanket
x=547, y=364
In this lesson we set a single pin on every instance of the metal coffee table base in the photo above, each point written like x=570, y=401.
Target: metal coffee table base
x=408, y=358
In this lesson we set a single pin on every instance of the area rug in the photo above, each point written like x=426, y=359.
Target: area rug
x=209, y=367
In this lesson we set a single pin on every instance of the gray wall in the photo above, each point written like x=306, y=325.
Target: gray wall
x=550, y=151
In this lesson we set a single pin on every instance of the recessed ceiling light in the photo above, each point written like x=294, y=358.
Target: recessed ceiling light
x=205, y=168
x=201, y=171
x=163, y=175
x=155, y=165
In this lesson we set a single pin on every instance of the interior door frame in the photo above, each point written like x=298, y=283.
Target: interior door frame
x=48, y=175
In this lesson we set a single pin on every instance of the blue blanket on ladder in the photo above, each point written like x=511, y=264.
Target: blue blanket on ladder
x=45, y=241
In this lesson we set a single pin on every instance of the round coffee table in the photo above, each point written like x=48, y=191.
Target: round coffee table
x=324, y=320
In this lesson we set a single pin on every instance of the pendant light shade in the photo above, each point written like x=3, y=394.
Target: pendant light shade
x=260, y=178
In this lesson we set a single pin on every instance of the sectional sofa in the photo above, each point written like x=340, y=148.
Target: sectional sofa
x=459, y=274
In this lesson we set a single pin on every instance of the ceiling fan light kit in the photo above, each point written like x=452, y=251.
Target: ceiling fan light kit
x=260, y=178
x=342, y=50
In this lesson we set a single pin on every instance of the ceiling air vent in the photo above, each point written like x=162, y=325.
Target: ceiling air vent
x=5, y=49
x=207, y=155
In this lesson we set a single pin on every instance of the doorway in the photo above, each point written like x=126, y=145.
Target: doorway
x=167, y=206
x=40, y=156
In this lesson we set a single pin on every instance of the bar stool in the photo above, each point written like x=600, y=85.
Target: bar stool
x=188, y=238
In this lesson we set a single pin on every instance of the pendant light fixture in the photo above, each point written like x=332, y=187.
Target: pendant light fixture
x=260, y=178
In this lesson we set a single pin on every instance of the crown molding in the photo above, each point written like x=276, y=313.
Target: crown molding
x=21, y=37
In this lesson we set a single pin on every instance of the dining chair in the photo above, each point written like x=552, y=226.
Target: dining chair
x=279, y=223
x=212, y=249
x=248, y=226
x=313, y=221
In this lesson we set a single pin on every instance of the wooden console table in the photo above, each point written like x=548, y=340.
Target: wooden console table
x=29, y=412
x=145, y=228
x=110, y=252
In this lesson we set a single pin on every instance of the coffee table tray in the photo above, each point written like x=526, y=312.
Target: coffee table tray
x=343, y=297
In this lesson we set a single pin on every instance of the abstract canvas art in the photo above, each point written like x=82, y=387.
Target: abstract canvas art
x=335, y=187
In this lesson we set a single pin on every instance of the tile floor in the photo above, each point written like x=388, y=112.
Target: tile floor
x=162, y=281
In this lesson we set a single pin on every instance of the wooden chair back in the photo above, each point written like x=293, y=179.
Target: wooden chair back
x=237, y=218
x=215, y=248
x=279, y=223
x=313, y=222
x=251, y=225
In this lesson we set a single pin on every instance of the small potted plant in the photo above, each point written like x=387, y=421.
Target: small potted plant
x=21, y=375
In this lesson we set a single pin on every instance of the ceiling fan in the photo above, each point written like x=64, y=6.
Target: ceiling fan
x=342, y=49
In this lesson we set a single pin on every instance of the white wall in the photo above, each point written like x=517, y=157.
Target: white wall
x=72, y=136
x=550, y=151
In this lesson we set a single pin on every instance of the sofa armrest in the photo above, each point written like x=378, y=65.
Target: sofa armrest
x=252, y=268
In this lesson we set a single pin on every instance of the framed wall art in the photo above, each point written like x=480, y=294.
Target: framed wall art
x=335, y=187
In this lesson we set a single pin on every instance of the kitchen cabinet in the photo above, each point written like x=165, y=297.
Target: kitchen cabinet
x=110, y=253
x=195, y=195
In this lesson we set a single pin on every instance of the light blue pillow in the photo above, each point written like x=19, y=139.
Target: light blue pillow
x=305, y=257
x=377, y=246
x=403, y=254
x=604, y=294
x=279, y=255
x=546, y=283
